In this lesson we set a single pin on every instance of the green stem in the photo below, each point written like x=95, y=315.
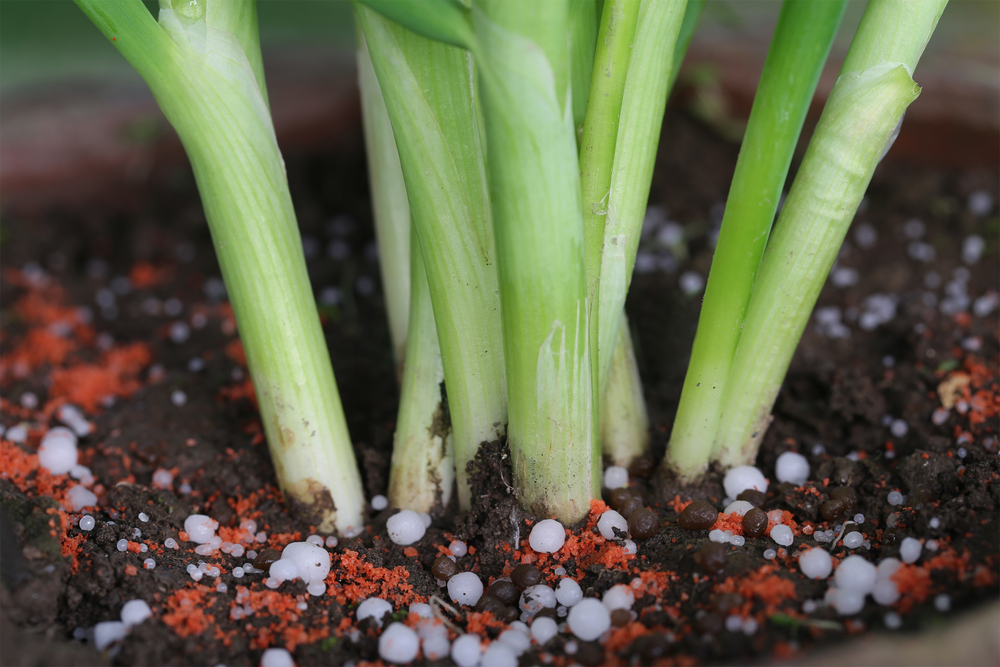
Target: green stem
x=428, y=94
x=583, y=36
x=624, y=422
x=640, y=120
x=795, y=60
x=422, y=474
x=523, y=55
x=691, y=15
x=199, y=64
x=389, y=204
x=860, y=116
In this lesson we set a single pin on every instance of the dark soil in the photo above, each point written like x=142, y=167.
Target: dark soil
x=832, y=408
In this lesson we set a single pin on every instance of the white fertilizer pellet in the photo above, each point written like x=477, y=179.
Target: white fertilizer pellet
x=466, y=650
x=609, y=521
x=499, y=654
x=465, y=588
x=909, y=550
x=135, y=612
x=589, y=619
x=615, y=477
x=741, y=478
x=536, y=598
x=57, y=452
x=517, y=640
x=568, y=592
x=200, y=528
x=277, y=657
x=816, y=563
x=782, y=535
x=458, y=548
x=543, y=629
x=107, y=633
x=856, y=574
x=740, y=507
x=374, y=608
x=547, y=536
x=792, y=467
x=405, y=527
x=379, y=503
x=619, y=596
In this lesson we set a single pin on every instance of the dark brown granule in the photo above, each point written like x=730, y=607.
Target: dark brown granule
x=651, y=647
x=589, y=654
x=618, y=497
x=726, y=602
x=643, y=523
x=629, y=506
x=504, y=591
x=525, y=576
x=444, y=568
x=712, y=558
x=508, y=615
x=699, y=515
x=753, y=496
x=620, y=618
x=842, y=501
x=490, y=603
x=265, y=558
x=919, y=495
x=644, y=466
x=652, y=618
x=755, y=523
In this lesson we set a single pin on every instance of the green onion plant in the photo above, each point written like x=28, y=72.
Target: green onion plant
x=511, y=146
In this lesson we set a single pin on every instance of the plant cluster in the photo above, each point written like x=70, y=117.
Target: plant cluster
x=511, y=147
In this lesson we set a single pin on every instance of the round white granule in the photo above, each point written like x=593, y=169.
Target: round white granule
x=769, y=554
x=615, y=477
x=942, y=603
x=886, y=592
x=909, y=550
x=589, y=619
x=435, y=647
x=58, y=453
x=379, y=503
x=465, y=588
x=853, y=539
x=892, y=621
x=741, y=478
x=107, y=633
x=316, y=589
x=543, y=629
x=465, y=650
x=373, y=608
x=629, y=547
x=425, y=518
x=717, y=535
x=87, y=522
x=887, y=567
x=535, y=598
x=619, y=596
x=734, y=623
x=499, y=654
x=200, y=528
x=895, y=498
x=122, y=545
x=311, y=561
x=458, y=548
x=816, y=563
x=793, y=468
x=398, y=644
x=568, y=592
x=283, y=570
x=739, y=507
x=610, y=520
x=405, y=527
x=277, y=657
x=149, y=564
x=135, y=612
x=517, y=640
x=312, y=539
x=782, y=535
x=421, y=609
x=547, y=536
x=848, y=602
x=856, y=574
x=80, y=497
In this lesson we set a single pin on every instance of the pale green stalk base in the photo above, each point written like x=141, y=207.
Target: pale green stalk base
x=523, y=56
x=427, y=87
x=861, y=114
x=795, y=60
x=203, y=78
x=422, y=475
x=390, y=208
x=624, y=422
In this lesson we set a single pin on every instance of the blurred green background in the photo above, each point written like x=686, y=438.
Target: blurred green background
x=46, y=41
